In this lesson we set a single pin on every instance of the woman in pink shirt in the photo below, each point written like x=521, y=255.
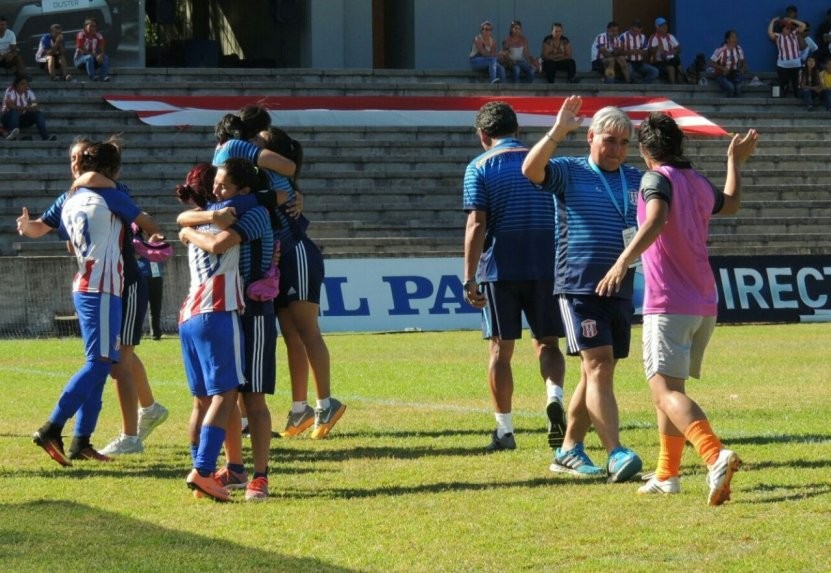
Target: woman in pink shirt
x=675, y=204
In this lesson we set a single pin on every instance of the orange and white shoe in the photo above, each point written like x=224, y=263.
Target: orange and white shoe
x=52, y=445
x=298, y=423
x=207, y=485
x=257, y=489
x=720, y=475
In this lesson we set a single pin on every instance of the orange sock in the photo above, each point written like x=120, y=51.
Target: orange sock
x=669, y=457
x=704, y=440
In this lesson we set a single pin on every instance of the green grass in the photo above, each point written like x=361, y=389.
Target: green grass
x=401, y=484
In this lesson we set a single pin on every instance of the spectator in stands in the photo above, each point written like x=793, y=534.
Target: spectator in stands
x=90, y=54
x=825, y=82
x=556, y=55
x=788, y=60
x=727, y=65
x=665, y=52
x=522, y=62
x=606, y=56
x=823, y=38
x=810, y=87
x=807, y=45
x=485, y=56
x=51, y=54
x=20, y=110
x=634, y=47
x=9, y=54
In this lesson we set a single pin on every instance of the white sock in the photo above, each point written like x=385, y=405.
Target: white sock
x=323, y=404
x=298, y=407
x=553, y=391
x=147, y=409
x=504, y=424
x=244, y=423
x=123, y=435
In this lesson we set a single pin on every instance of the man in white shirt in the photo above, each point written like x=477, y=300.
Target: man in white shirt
x=9, y=55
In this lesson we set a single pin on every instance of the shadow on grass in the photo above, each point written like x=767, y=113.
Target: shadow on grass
x=61, y=535
x=438, y=487
x=773, y=493
x=780, y=439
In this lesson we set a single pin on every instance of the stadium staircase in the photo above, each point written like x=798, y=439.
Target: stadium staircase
x=391, y=192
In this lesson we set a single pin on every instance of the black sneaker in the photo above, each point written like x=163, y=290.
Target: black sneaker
x=52, y=445
x=88, y=453
x=506, y=442
x=556, y=423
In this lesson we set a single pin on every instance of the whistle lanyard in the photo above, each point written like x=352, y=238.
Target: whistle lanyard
x=611, y=195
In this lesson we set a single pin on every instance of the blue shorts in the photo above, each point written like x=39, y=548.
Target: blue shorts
x=134, y=299
x=99, y=316
x=508, y=300
x=301, y=274
x=594, y=321
x=212, y=352
x=260, y=349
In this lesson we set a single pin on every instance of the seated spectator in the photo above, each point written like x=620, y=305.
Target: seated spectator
x=516, y=45
x=825, y=83
x=697, y=71
x=9, y=54
x=20, y=110
x=665, y=52
x=727, y=65
x=807, y=46
x=51, y=54
x=634, y=48
x=810, y=87
x=556, y=55
x=607, y=58
x=788, y=60
x=485, y=56
x=89, y=51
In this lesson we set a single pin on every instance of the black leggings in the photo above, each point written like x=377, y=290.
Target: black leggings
x=788, y=77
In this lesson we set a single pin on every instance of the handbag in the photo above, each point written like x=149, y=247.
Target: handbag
x=266, y=288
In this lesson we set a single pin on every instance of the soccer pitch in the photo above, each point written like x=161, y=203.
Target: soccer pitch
x=402, y=484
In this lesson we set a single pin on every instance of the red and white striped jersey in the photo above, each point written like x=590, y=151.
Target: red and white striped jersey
x=603, y=41
x=93, y=224
x=728, y=57
x=788, y=46
x=215, y=284
x=629, y=41
x=665, y=44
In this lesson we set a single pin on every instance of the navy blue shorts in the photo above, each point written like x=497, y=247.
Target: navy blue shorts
x=134, y=301
x=260, y=339
x=594, y=321
x=508, y=300
x=301, y=274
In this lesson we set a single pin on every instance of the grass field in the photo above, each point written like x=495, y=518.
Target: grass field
x=401, y=484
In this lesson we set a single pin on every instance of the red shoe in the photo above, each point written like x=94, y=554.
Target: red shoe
x=207, y=485
x=52, y=445
x=229, y=479
x=257, y=489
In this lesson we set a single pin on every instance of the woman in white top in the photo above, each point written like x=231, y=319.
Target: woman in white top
x=484, y=55
x=516, y=44
x=20, y=109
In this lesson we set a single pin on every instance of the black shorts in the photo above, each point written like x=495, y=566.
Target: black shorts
x=508, y=300
x=134, y=300
x=301, y=274
x=260, y=342
x=593, y=321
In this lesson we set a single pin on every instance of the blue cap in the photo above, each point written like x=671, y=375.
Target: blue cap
x=660, y=21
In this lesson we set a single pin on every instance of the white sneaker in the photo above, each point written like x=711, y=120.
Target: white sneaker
x=123, y=445
x=654, y=485
x=13, y=134
x=719, y=476
x=147, y=422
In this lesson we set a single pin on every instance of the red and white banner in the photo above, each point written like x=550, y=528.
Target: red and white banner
x=393, y=111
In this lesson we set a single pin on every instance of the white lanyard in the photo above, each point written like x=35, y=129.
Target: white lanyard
x=625, y=210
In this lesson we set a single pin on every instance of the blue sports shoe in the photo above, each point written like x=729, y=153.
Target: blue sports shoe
x=623, y=464
x=574, y=461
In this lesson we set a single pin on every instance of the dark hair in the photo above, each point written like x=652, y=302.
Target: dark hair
x=255, y=117
x=230, y=127
x=727, y=34
x=281, y=142
x=663, y=140
x=496, y=119
x=243, y=173
x=3, y=19
x=19, y=78
x=612, y=24
x=198, y=187
x=103, y=157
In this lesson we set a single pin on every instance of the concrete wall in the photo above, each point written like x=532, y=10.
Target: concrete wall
x=339, y=34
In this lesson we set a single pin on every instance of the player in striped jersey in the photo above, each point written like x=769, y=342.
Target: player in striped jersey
x=596, y=200
x=788, y=59
x=94, y=223
x=510, y=242
x=253, y=232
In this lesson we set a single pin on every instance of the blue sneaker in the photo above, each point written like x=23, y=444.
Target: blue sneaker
x=574, y=461
x=623, y=464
